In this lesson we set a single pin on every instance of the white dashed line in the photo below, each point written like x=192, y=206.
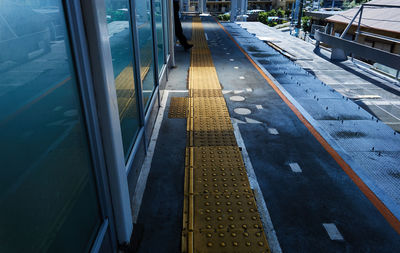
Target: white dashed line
x=252, y=121
x=242, y=77
x=236, y=67
x=273, y=131
x=295, y=167
x=333, y=232
x=238, y=91
x=259, y=107
x=226, y=91
x=231, y=59
x=249, y=89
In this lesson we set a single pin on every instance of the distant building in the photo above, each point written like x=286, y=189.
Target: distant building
x=333, y=4
x=380, y=27
x=283, y=4
x=222, y=6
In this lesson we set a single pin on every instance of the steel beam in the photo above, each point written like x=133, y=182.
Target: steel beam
x=367, y=52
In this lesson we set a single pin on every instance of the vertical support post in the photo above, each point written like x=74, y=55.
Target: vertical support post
x=397, y=74
x=171, y=30
x=359, y=23
x=106, y=101
x=136, y=60
x=358, y=29
x=155, y=52
x=233, y=10
x=351, y=22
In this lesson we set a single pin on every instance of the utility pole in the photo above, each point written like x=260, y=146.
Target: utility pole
x=298, y=25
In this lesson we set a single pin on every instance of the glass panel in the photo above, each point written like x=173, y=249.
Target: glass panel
x=120, y=32
x=144, y=27
x=48, y=193
x=166, y=12
x=158, y=11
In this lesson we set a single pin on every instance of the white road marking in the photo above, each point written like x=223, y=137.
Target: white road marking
x=205, y=34
x=231, y=59
x=242, y=77
x=383, y=102
x=237, y=121
x=252, y=121
x=295, y=167
x=228, y=53
x=242, y=111
x=333, y=232
x=226, y=91
x=249, y=89
x=237, y=98
x=236, y=67
x=388, y=112
x=238, y=91
x=259, y=107
x=261, y=205
x=273, y=131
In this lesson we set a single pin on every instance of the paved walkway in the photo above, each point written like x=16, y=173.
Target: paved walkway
x=313, y=204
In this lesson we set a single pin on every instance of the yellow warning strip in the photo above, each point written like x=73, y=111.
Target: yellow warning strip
x=219, y=213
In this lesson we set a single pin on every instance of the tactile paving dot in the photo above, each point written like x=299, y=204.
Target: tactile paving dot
x=206, y=93
x=212, y=124
x=178, y=107
x=230, y=241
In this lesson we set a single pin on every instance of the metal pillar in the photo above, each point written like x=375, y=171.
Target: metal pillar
x=204, y=9
x=234, y=4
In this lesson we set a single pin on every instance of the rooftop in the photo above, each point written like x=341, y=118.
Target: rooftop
x=380, y=18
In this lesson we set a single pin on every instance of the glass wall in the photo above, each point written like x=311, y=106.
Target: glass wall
x=48, y=193
x=145, y=39
x=166, y=13
x=120, y=34
x=158, y=16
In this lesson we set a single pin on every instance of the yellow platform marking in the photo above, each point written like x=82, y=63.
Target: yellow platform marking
x=178, y=107
x=220, y=213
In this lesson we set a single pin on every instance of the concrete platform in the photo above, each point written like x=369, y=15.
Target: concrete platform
x=310, y=199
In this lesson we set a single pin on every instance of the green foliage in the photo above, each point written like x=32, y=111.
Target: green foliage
x=306, y=23
x=263, y=17
x=224, y=17
x=348, y=4
x=280, y=13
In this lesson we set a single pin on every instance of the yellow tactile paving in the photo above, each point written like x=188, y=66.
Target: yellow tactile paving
x=220, y=213
x=178, y=107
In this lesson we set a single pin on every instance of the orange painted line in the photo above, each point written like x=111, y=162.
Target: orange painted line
x=389, y=216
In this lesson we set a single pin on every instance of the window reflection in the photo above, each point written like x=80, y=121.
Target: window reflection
x=144, y=27
x=48, y=195
x=158, y=15
x=120, y=33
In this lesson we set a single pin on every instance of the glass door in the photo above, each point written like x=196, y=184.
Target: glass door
x=48, y=194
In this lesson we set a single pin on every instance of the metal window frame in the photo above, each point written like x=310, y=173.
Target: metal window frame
x=73, y=14
x=108, y=116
